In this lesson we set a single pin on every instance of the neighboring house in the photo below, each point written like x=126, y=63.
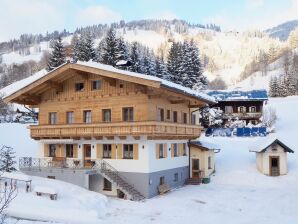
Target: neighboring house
x=242, y=105
x=202, y=159
x=111, y=131
x=271, y=156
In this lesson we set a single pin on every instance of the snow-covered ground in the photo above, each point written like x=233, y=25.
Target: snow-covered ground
x=238, y=193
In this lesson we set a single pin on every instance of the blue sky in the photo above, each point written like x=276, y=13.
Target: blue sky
x=39, y=16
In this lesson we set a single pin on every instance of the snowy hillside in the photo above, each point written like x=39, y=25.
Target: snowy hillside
x=283, y=30
x=237, y=189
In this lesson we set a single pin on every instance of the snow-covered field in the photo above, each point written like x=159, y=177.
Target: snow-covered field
x=238, y=193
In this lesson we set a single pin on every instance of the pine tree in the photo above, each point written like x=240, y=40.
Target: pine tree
x=7, y=159
x=57, y=56
x=77, y=50
x=87, y=47
x=148, y=63
x=122, y=51
x=135, y=58
x=110, y=50
x=174, y=63
x=99, y=51
x=273, y=87
x=291, y=82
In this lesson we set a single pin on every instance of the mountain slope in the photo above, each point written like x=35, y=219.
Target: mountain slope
x=283, y=30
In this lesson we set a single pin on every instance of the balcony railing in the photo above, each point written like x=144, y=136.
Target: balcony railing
x=151, y=128
x=243, y=115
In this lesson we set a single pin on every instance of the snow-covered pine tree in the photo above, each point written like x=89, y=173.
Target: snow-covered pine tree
x=122, y=51
x=161, y=68
x=57, y=56
x=87, y=47
x=186, y=66
x=174, y=63
x=291, y=81
x=282, y=86
x=76, y=48
x=148, y=63
x=110, y=49
x=99, y=51
x=134, y=57
x=7, y=159
x=273, y=87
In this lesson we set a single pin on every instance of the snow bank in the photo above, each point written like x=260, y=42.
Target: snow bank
x=74, y=204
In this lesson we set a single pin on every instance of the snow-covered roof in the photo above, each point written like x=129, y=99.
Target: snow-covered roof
x=163, y=82
x=236, y=95
x=263, y=143
x=15, y=176
x=9, y=90
x=207, y=145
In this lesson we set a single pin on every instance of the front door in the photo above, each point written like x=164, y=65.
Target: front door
x=195, y=168
x=274, y=166
x=87, y=156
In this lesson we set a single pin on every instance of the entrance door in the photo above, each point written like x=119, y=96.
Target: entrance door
x=274, y=166
x=87, y=156
x=195, y=168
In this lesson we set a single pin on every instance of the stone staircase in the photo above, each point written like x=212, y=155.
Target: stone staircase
x=193, y=181
x=110, y=173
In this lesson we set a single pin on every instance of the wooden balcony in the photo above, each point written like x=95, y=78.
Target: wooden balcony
x=152, y=129
x=247, y=115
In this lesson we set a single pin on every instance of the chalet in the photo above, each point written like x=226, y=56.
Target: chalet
x=271, y=156
x=242, y=105
x=112, y=131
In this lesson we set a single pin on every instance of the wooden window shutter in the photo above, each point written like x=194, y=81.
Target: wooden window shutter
x=180, y=152
x=119, y=151
x=99, y=151
x=165, y=150
x=75, y=150
x=157, y=150
x=172, y=150
x=46, y=150
x=113, y=151
x=136, y=151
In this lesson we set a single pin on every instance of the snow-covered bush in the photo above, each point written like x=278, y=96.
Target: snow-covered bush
x=269, y=117
x=7, y=159
x=211, y=117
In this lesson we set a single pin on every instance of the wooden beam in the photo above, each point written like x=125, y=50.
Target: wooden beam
x=177, y=101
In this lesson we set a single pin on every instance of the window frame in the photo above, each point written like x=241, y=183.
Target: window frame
x=52, y=120
x=168, y=115
x=160, y=114
x=161, y=149
x=162, y=180
x=130, y=114
x=209, y=163
x=175, y=116
x=107, y=151
x=70, y=121
x=103, y=115
x=251, y=107
x=176, y=177
x=127, y=151
x=67, y=154
x=184, y=149
x=227, y=111
x=77, y=84
x=184, y=116
x=98, y=86
x=193, y=119
x=52, y=150
x=175, y=149
x=87, y=119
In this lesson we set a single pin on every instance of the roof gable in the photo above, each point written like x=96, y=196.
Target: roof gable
x=262, y=145
x=54, y=78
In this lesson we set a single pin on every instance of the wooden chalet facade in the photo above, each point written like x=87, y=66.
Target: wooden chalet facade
x=124, y=133
x=242, y=105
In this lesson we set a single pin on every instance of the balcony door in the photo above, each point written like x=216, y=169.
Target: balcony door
x=87, y=155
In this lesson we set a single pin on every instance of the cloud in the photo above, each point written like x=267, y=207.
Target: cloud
x=96, y=14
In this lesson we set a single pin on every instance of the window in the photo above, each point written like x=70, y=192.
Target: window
x=106, y=115
x=175, y=116
x=160, y=114
x=51, y=177
x=52, y=150
x=70, y=117
x=53, y=118
x=184, y=118
x=168, y=115
x=79, y=86
x=128, y=151
x=184, y=149
x=162, y=180
x=209, y=162
x=241, y=109
x=96, y=85
x=161, y=150
x=175, y=177
x=193, y=119
x=175, y=148
x=127, y=114
x=87, y=116
x=69, y=150
x=107, y=151
x=228, y=109
x=107, y=185
x=252, y=109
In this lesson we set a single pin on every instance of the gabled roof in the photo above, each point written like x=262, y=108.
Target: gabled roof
x=204, y=145
x=21, y=87
x=264, y=142
x=236, y=95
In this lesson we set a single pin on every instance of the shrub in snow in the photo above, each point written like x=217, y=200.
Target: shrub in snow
x=269, y=117
x=211, y=117
x=7, y=159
